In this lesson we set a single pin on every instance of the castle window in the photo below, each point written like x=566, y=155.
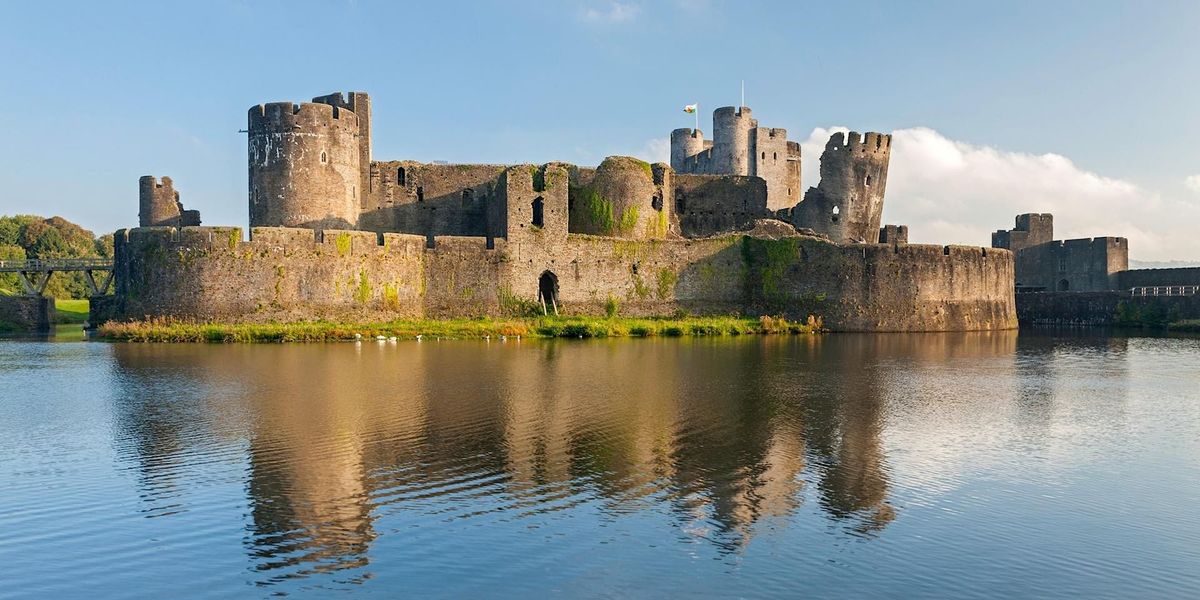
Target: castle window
x=400, y=176
x=466, y=197
x=538, y=212
x=867, y=181
x=420, y=194
x=657, y=202
x=1062, y=264
x=774, y=156
x=1064, y=286
x=324, y=157
x=836, y=212
x=680, y=202
x=764, y=156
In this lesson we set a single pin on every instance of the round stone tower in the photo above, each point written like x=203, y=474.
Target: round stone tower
x=158, y=203
x=305, y=166
x=685, y=142
x=624, y=199
x=731, y=140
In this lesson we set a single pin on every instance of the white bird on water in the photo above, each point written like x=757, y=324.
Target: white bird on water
x=418, y=337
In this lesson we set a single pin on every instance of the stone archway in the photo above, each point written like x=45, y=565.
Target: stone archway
x=548, y=292
x=1064, y=286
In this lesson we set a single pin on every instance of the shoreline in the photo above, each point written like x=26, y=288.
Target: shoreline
x=170, y=331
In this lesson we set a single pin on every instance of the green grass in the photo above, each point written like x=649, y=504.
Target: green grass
x=71, y=311
x=545, y=327
x=1188, y=325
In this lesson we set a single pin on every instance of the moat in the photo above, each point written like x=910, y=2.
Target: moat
x=997, y=464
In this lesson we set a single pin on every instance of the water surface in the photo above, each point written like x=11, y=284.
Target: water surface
x=908, y=466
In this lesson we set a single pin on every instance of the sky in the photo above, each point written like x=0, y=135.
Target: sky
x=1086, y=109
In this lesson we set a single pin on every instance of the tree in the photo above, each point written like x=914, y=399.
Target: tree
x=56, y=237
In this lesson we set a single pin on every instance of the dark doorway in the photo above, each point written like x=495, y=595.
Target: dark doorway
x=539, y=212
x=1064, y=286
x=548, y=292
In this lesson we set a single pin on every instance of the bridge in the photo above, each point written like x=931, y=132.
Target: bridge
x=35, y=274
x=1165, y=290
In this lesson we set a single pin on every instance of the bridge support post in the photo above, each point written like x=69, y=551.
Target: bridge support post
x=34, y=282
x=102, y=288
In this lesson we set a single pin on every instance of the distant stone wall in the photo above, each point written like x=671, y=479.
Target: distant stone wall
x=210, y=273
x=1099, y=308
x=26, y=313
x=1158, y=277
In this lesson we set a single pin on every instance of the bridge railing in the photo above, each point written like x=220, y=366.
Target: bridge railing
x=1165, y=290
x=55, y=264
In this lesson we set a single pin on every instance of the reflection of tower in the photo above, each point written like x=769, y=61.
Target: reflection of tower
x=844, y=424
x=309, y=500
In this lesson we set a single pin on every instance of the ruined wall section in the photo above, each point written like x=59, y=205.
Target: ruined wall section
x=707, y=205
x=159, y=205
x=430, y=199
x=847, y=204
x=624, y=197
x=305, y=166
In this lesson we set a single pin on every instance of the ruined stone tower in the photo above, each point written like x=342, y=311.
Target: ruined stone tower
x=740, y=147
x=847, y=204
x=159, y=206
x=309, y=162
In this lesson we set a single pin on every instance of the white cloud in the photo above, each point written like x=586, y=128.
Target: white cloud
x=611, y=12
x=656, y=150
x=948, y=191
x=1193, y=183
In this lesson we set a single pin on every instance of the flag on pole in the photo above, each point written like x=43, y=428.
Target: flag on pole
x=689, y=109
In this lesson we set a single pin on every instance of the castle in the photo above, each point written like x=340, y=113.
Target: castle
x=721, y=230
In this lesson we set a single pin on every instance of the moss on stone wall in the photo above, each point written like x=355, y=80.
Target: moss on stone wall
x=666, y=282
x=767, y=263
x=629, y=220
x=363, y=293
x=391, y=296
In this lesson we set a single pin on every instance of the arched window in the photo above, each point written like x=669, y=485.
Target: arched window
x=680, y=202
x=538, y=212
x=1064, y=286
x=420, y=194
x=657, y=202
x=400, y=176
x=324, y=157
x=467, y=196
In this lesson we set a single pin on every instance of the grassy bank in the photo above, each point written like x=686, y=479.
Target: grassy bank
x=1190, y=326
x=546, y=327
x=71, y=311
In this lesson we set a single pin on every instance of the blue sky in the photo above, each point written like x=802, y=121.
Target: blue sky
x=1086, y=109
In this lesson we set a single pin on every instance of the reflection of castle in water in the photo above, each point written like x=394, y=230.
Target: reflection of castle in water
x=726, y=434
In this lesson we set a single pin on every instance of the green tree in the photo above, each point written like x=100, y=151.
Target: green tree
x=8, y=281
x=55, y=237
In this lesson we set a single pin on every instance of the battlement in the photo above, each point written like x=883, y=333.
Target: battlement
x=289, y=116
x=339, y=242
x=1082, y=244
x=872, y=142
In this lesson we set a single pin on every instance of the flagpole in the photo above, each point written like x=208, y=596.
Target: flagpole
x=697, y=115
x=743, y=92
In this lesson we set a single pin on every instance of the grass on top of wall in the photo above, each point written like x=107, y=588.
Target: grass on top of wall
x=545, y=327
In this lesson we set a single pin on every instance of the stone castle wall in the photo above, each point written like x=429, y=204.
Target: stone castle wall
x=211, y=273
